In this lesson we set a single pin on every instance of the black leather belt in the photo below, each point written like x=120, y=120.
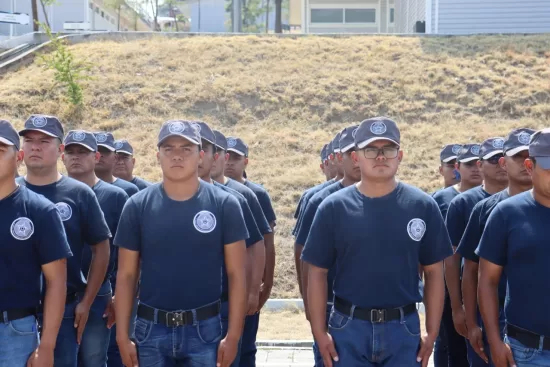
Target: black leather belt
x=372, y=314
x=178, y=318
x=16, y=314
x=527, y=338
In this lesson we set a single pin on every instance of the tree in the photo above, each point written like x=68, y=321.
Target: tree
x=267, y=11
x=116, y=5
x=34, y=15
x=172, y=11
x=155, y=11
x=278, y=16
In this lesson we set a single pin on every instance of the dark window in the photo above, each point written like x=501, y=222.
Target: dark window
x=360, y=15
x=392, y=15
x=327, y=16
x=102, y=14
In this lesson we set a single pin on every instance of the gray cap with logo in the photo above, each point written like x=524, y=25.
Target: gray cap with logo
x=8, y=134
x=539, y=148
x=377, y=128
x=491, y=147
x=336, y=143
x=204, y=131
x=324, y=153
x=123, y=146
x=181, y=128
x=237, y=145
x=347, y=138
x=517, y=141
x=83, y=138
x=105, y=139
x=221, y=140
x=49, y=125
x=449, y=152
x=468, y=153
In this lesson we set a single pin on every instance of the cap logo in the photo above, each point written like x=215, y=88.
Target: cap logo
x=204, y=221
x=475, y=149
x=118, y=145
x=354, y=132
x=22, y=229
x=231, y=142
x=456, y=149
x=176, y=127
x=196, y=127
x=524, y=138
x=39, y=121
x=101, y=137
x=416, y=229
x=378, y=128
x=498, y=143
x=79, y=135
x=65, y=211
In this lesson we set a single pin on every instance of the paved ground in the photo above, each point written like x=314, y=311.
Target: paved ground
x=296, y=357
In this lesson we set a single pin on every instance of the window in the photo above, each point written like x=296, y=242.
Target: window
x=360, y=15
x=392, y=15
x=327, y=16
x=107, y=18
x=102, y=14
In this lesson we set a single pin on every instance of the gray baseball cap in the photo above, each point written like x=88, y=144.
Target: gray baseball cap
x=123, y=146
x=105, y=139
x=517, y=141
x=491, y=147
x=237, y=145
x=221, y=140
x=336, y=143
x=377, y=128
x=82, y=138
x=324, y=153
x=449, y=152
x=49, y=125
x=8, y=134
x=330, y=149
x=468, y=153
x=539, y=148
x=205, y=131
x=181, y=128
x=347, y=138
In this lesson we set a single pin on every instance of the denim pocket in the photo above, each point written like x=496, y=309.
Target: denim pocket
x=210, y=330
x=411, y=324
x=520, y=352
x=25, y=326
x=142, y=330
x=337, y=320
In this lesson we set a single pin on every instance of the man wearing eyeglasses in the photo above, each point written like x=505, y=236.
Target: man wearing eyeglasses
x=495, y=179
x=516, y=150
x=376, y=233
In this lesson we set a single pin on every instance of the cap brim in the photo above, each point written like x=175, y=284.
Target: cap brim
x=337, y=150
x=6, y=141
x=464, y=160
x=112, y=149
x=371, y=140
x=448, y=159
x=22, y=132
x=236, y=151
x=208, y=140
x=516, y=150
x=81, y=144
x=492, y=154
x=347, y=147
x=543, y=162
x=222, y=148
x=124, y=152
x=181, y=136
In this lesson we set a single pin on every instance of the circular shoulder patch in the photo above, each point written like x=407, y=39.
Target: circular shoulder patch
x=498, y=143
x=378, y=128
x=39, y=121
x=65, y=211
x=22, y=229
x=524, y=138
x=231, y=142
x=475, y=149
x=118, y=145
x=79, y=135
x=456, y=149
x=416, y=229
x=176, y=127
x=204, y=221
x=101, y=137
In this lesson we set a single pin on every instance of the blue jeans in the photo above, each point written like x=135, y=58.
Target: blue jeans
x=248, y=344
x=225, y=327
x=316, y=355
x=450, y=347
x=18, y=339
x=528, y=357
x=363, y=343
x=95, y=340
x=473, y=358
x=66, y=347
x=190, y=346
x=113, y=354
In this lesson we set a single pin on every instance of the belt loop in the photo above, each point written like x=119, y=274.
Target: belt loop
x=155, y=316
x=5, y=317
x=401, y=315
x=194, y=312
x=352, y=311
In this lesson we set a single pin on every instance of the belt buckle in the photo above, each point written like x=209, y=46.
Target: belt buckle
x=175, y=318
x=377, y=316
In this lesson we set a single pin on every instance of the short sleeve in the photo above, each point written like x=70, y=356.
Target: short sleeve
x=299, y=206
x=435, y=245
x=455, y=221
x=493, y=246
x=472, y=235
x=320, y=247
x=94, y=226
x=51, y=240
x=254, y=233
x=234, y=227
x=306, y=223
x=259, y=217
x=129, y=228
x=267, y=207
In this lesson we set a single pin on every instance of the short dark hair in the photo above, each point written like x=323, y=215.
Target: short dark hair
x=533, y=160
x=206, y=144
x=452, y=161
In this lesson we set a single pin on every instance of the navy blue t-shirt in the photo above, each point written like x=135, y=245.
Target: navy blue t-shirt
x=140, y=183
x=459, y=212
x=32, y=235
x=82, y=218
x=181, y=244
x=474, y=230
x=253, y=203
x=304, y=201
x=444, y=197
x=264, y=199
x=516, y=238
x=129, y=187
x=111, y=201
x=377, y=244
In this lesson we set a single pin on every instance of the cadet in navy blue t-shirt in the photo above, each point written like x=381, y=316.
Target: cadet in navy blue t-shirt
x=107, y=160
x=84, y=225
x=515, y=240
x=515, y=152
x=80, y=157
x=33, y=243
x=179, y=233
x=125, y=163
x=495, y=179
x=376, y=233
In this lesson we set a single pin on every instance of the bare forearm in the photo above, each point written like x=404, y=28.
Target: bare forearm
x=98, y=270
x=305, y=283
x=54, y=308
x=469, y=293
x=317, y=300
x=125, y=296
x=269, y=270
x=434, y=298
x=256, y=265
x=488, y=306
x=237, y=303
x=452, y=277
x=298, y=264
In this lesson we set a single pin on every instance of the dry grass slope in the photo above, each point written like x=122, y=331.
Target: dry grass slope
x=286, y=97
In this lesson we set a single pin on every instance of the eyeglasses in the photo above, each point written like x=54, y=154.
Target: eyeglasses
x=387, y=152
x=494, y=159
